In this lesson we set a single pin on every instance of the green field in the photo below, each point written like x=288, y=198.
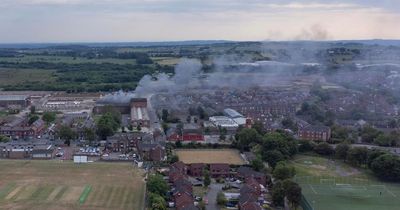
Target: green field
x=332, y=185
x=65, y=185
x=10, y=76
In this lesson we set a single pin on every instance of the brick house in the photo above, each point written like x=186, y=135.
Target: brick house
x=315, y=133
x=244, y=172
x=22, y=129
x=183, y=200
x=189, y=133
x=219, y=170
x=196, y=169
x=152, y=152
x=180, y=166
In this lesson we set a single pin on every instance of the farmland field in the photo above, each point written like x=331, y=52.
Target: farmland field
x=65, y=59
x=229, y=156
x=65, y=185
x=10, y=76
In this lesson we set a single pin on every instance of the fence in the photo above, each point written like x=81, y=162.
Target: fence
x=305, y=204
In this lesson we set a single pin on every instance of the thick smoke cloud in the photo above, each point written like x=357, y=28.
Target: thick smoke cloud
x=119, y=97
x=314, y=33
x=229, y=72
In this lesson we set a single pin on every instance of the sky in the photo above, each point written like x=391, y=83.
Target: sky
x=25, y=21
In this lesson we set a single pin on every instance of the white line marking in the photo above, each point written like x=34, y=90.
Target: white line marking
x=391, y=192
x=312, y=188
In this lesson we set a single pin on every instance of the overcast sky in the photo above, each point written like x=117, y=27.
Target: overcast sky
x=168, y=20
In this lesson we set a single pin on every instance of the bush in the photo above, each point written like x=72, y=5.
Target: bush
x=324, y=148
x=282, y=171
x=221, y=200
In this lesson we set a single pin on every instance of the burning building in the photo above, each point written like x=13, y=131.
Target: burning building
x=139, y=112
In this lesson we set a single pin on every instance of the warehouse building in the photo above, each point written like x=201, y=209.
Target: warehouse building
x=224, y=122
x=139, y=113
x=235, y=116
x=20, y=101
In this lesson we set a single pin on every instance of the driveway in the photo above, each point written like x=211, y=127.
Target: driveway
x=211, y=196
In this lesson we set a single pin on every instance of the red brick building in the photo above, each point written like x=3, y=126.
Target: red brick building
x=196, y=169
x=22, y=129
x=244, y=172
x=315, y=133
x=219, y=170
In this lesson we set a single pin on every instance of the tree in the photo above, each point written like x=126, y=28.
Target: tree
x=387, y=140
x=164, y=115
x=130, y=127
x=372, y=155
x=90, y=135
x=33, y=119
x=387, y=167
x=4, y=139
x=188, y=119
x=49, y=117
x=138, y=127
x=306, y=145
x=341, y=151
x=283, y=171
x=201, y=112
x=292, y=192
x=246, y=137
x=273, y=157
x=165, y=127
x=67, y=134
x=357, y=155
x=221, y=200
x=289, y=123
x=280, y=141
x=278, y=194
x=201, y=205
x=156, y=184
x=157, y=202
x=107, y=125
x=368, y=134
x=33, y=109
x=257, y=164
x=174, y=159
x=324, y=148
x=178, y=144
x=259, y=127
x=207, y=179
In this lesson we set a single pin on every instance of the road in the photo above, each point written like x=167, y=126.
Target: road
x=211, y=196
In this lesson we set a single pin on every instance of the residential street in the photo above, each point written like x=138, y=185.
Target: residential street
x=212, y=196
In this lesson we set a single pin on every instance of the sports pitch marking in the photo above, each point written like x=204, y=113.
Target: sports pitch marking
x=390, y=192
x=312, y=188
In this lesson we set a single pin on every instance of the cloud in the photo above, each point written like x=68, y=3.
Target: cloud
x=160, y=20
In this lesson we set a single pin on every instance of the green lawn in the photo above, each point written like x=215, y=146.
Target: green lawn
x=332, y=185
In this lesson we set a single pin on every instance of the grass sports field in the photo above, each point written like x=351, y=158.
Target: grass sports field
x=332, y=185
x=229, y=156
x=65, y=185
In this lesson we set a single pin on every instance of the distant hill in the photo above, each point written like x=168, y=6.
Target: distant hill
x=115, y=44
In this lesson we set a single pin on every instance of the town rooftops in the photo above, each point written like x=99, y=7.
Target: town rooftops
x=232, y=113
x=223, y=121
x=317, y=128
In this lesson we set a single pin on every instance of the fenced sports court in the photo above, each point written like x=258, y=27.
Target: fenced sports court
x=332, y=193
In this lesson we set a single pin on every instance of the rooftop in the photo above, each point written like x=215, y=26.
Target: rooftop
x=13, y=97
